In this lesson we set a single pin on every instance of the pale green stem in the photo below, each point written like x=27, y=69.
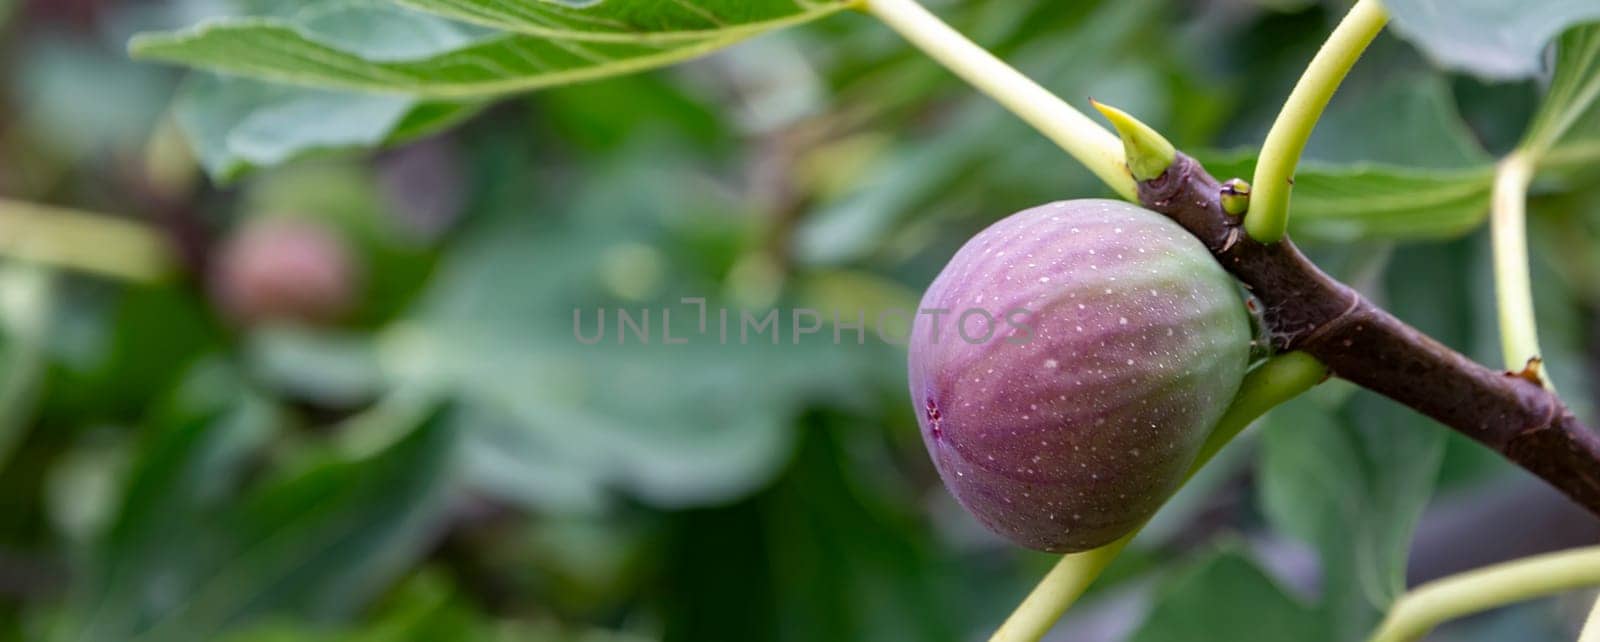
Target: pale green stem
x=1591, y=626
x=1275, y=381
x=1268, y=218
x=1059, y=589
x=1081, y=137
x=1431, y=604
x=82, y=241
x=1513, y=287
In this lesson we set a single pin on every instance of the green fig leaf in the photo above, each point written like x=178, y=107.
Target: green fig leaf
x=1428, y=178
x=1227, y=596
x=1495, y=39
x=238, y=124
x=189, y=556
x=1352, y=482
x=1566, y=131
x=386, y=49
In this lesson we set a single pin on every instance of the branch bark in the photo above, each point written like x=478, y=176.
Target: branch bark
x=1307, y=310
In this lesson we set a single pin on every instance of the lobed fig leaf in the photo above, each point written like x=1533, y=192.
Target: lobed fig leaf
x=1117, y=343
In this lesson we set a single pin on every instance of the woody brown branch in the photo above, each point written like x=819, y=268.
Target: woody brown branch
x=1307, y=310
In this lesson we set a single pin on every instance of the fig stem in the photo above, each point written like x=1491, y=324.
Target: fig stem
x=1056, y=593
x=1274, y=381
x=1077, y=134
x=82, y=241
x=1268, y=219
x=1426, y=606
x=1277, y=380
x=1519, y=335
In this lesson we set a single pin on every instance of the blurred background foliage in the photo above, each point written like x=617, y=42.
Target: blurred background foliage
x=433, y=456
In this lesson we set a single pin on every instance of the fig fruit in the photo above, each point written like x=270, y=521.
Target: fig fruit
x=1066, y=366
x=285, y=270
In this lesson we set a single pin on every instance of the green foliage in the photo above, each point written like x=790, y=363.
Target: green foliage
x=496, y=329
x=167, y=475
x=84, y=100
x=428, y=70
x=653, y=21
x=1352, y=484
x=143, y=341
x=26, y=310
x=1566, y=131
x=1374, y=201
x=1490, y=38
x=188, y=556
x=1425, y=178
x=825, y=553
x=237, y=124
x=1224, y=595
x=411, y=53
x=423, y=609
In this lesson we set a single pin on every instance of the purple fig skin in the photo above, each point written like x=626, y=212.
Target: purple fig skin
x=1068, y=429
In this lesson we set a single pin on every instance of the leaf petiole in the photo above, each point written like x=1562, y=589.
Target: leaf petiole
x=1268, y=218
x=1519, y=335
x=1082, y=138
x=1426, y=606
x=82, y=241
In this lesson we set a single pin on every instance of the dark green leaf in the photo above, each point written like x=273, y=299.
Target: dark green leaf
x=826, y=553
x=27, y=309
x=120, y=348
x=1226, y=596
x=1425, y=177
x=189, y=467
x=1420, y=123
x=554, y=422
x=1353, y=483
x=424, y=609
x=187, y=559
x=1377, y=201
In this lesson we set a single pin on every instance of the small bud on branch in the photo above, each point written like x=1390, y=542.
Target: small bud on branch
x=1235, y=196
x=1148, y=152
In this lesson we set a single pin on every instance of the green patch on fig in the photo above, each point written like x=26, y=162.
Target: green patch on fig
x=1067, y=365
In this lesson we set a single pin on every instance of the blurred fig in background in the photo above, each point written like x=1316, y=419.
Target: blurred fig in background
x=280, y=269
